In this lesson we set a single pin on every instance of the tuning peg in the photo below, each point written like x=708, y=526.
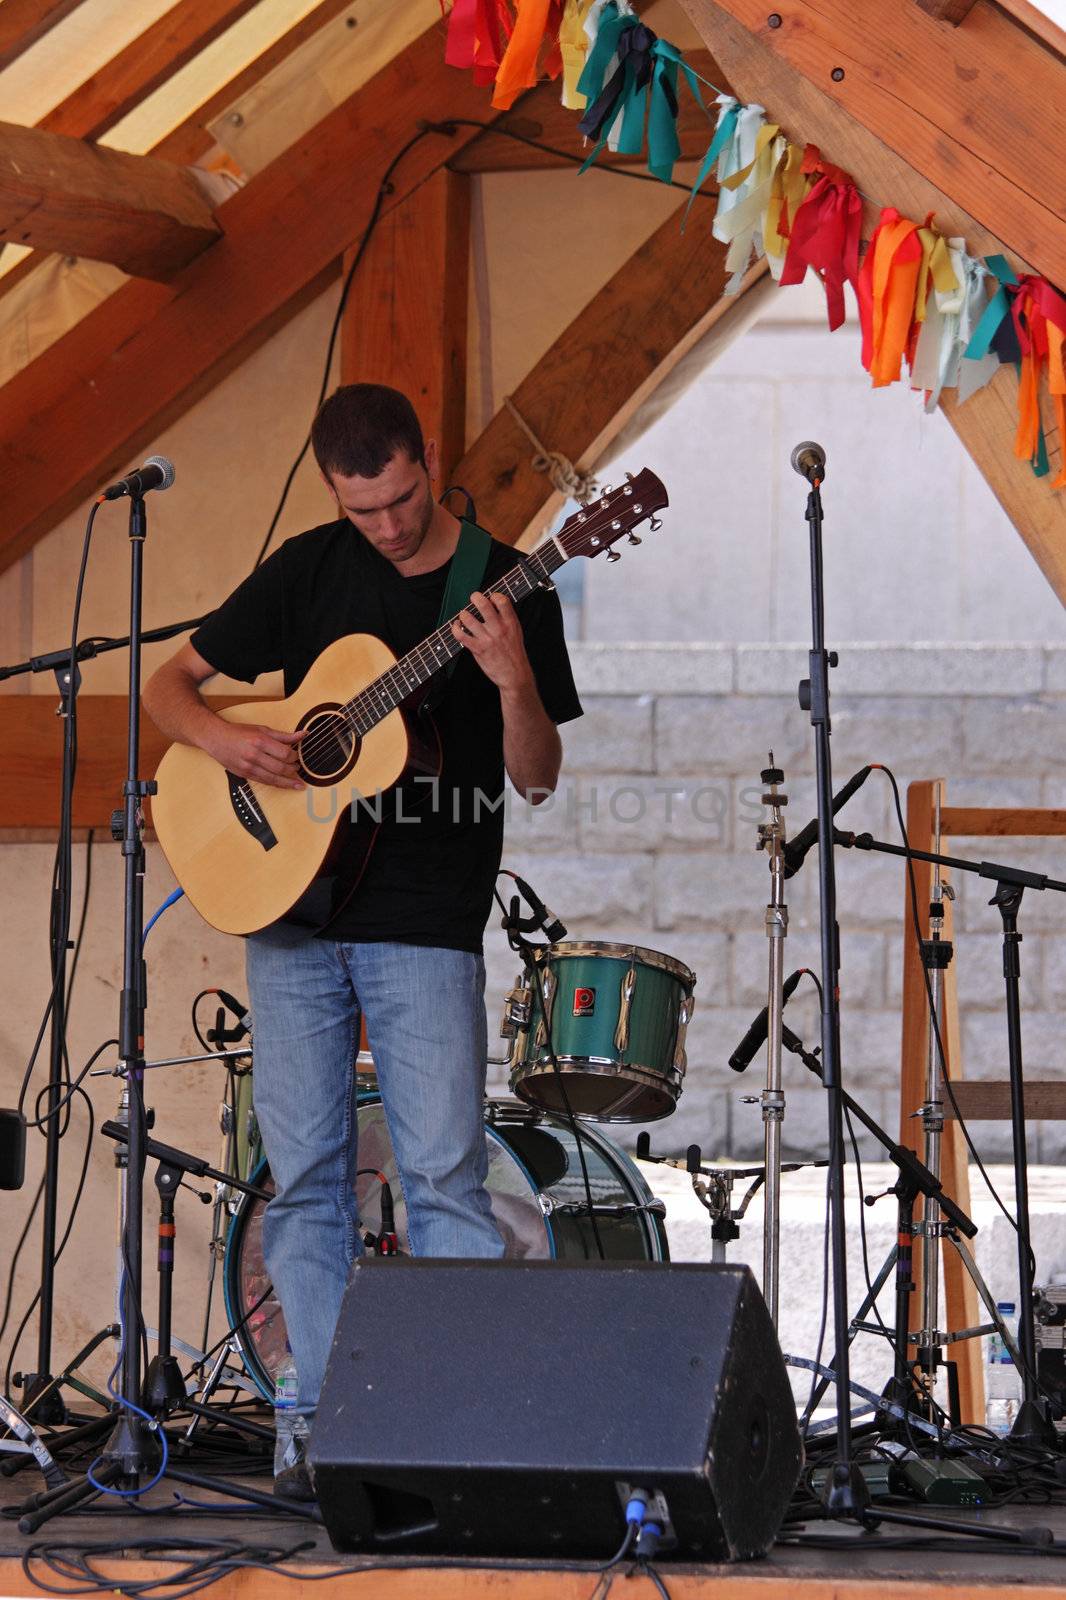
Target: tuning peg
x=655, y=524
x=633, y=538
x=613, y=555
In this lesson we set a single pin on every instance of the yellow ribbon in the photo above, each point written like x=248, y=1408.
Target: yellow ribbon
x=787, y=193
x=935, y=264
x=574, y=45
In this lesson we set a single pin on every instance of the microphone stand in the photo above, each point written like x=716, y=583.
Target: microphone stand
x=41, y=1391
x=846, y=1493
x=771, y=838
x=1032, y=1424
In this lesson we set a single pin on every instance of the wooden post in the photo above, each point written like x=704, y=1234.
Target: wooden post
x=405, y=320
x=960, y=1296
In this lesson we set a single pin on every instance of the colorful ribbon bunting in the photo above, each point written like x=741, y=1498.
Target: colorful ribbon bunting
x=825, y=233
x=642, y=85
x=888, y=285
x=788, y=191
x=744, y=199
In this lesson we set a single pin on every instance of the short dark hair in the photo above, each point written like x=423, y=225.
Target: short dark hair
x=360, y=427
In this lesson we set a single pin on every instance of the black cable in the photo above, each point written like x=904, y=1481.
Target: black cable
x=63, y=1242
x=559, y=1078
x=649, y=1572
x=447, y=130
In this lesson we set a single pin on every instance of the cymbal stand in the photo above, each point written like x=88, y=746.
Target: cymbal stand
x=771, y=838
x=936, y=954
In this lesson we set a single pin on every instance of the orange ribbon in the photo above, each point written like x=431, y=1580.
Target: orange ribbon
x=536, y=22
x=888, y=285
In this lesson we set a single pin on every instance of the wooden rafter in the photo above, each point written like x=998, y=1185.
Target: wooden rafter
x=585, y=388
x=407, y=324
x=146, y=216
x=979, y=111
x=190, y=141
x=952, y=11
x=145, y=63
x=23, y=22
x=986, y=423
x=542, y=116
x=148, y=351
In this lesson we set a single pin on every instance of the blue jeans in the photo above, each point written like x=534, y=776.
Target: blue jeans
x=425, y=1018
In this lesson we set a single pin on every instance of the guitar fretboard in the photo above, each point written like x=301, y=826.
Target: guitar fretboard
x=372, y=704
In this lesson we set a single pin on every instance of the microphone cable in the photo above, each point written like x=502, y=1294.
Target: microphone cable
x=560, y=1080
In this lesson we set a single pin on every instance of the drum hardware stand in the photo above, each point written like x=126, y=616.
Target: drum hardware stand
x=713, y=1188
x=846, y=1493
x=914, y=1179
x=771, y=838
x=1032, y=1425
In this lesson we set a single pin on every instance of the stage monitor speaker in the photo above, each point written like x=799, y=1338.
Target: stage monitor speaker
x=498, y=1408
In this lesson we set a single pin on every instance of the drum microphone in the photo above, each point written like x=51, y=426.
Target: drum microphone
x=387, y=1242
x=796, y=849
x=242, y=1013
x=808, y=459
x=546, y=920
x=157, y=473
x=744, y=1053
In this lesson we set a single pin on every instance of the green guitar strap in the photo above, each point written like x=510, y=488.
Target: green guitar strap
x=465, y=574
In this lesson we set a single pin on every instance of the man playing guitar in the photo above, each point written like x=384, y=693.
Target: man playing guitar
x=404, y=951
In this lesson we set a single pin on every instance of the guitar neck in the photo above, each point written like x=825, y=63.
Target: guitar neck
x=372, y=704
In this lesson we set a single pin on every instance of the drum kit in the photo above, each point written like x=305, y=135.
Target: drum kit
x=614, y=1016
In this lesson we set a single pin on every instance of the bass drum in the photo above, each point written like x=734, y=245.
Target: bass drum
x=538, y=1199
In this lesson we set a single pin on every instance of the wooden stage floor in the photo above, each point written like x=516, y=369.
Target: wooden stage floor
x=860, y=1568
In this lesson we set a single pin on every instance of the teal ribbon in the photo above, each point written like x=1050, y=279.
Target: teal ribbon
x=653, y=104
x=997, y=308
x=727, y=123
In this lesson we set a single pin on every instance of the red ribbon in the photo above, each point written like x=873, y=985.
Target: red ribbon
x=825, y=233
x=478, y=31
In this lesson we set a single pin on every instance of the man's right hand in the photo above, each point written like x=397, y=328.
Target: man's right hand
x=266, y=755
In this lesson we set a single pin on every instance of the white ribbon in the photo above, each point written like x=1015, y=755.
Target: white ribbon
x=950, y=320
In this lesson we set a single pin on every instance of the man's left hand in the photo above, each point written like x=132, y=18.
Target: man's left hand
x=490, y=630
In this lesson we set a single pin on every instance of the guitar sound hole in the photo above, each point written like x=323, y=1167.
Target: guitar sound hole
x=330, y=745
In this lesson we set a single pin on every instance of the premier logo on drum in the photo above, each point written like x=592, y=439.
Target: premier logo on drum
x=584, y=1002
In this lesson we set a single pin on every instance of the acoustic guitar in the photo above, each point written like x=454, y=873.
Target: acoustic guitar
x=249, y=854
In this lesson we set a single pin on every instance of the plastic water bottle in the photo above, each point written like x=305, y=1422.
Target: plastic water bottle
x=290, y=1428
x=1003, y=1381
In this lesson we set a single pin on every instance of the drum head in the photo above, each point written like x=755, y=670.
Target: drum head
x=538, y=1201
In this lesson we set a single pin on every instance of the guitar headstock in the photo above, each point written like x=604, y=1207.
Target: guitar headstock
x=617, y=512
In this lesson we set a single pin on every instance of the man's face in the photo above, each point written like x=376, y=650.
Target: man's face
x=394, y=510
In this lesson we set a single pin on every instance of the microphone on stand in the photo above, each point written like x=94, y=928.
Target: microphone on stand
x=157, y=473
x=796, y=849
x=552, y=928
x=808, y=459
x=755, y=1037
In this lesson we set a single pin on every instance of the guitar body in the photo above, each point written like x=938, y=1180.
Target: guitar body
x=248, y=854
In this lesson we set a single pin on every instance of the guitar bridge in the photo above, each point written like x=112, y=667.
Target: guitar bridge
x=246, y=810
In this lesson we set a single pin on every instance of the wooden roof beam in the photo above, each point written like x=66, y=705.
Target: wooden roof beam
x=148, y=217
x=148, y=61
x=584, y=390
x=23, y=22
x=149, y=351
x=953, y=11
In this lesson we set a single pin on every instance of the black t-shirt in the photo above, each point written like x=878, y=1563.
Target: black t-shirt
x=428, y=881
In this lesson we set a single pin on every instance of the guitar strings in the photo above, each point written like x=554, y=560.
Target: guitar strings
x=323, y=739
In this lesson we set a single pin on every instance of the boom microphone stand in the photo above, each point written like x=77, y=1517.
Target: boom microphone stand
x=1032, y=1424
x=846, y=1494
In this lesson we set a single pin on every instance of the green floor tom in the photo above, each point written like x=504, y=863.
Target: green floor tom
x=617, y=1015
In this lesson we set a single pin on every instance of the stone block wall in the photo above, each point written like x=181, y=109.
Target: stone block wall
x=651, y=838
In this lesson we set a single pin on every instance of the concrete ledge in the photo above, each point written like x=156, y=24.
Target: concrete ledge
x=653, y=668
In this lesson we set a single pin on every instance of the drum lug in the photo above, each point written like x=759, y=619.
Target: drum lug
x=621, y=1032
x=225, y=1117
x=546, y=1203
x=688, y=1006
x=549, y=982
x=516, y=1009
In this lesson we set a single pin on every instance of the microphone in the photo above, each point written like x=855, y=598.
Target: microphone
x=744, y=1053
x=796, y=849
x=387, y=1242
x=157, y=473
x=547, y=920
x=808, y=459
x=242, y=1013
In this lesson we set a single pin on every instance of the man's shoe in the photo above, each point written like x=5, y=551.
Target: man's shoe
x=296, y=1483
